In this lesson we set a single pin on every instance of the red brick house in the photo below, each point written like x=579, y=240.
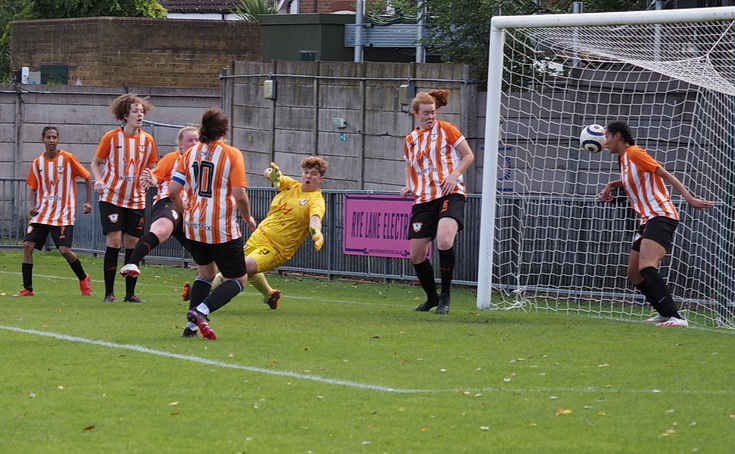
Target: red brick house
x=220, y=9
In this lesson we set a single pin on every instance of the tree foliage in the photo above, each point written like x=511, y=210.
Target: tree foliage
x=58, y=9
x=460, y=29
x=250, y=10
x=12, y=10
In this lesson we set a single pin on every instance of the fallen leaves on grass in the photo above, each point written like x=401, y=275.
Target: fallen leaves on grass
x=563, y=411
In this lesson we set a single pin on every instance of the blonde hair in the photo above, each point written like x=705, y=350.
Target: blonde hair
x=184, y=130
x=440, y=98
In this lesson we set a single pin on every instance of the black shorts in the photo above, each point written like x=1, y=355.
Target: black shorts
x=425, y=216
x=165, y=208
x=115, y=218
x=63, y=235
x=227, y=256
x=659, y=229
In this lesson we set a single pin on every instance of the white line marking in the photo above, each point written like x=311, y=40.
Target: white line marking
x=351, y=384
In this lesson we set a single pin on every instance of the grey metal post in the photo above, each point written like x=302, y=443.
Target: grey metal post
x=359, y=29
x=420, y=33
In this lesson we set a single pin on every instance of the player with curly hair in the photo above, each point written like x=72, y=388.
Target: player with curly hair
x=118, y=164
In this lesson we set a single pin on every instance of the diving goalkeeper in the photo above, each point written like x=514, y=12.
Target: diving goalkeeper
x=296, y=213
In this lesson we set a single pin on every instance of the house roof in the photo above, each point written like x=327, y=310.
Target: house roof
x=198, y=6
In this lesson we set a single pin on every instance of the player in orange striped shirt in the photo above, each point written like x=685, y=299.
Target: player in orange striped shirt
x=166, y=219
x=213, y=174
x=53, y=182
x=436, y=155
x=118, y=165
x=644, y=181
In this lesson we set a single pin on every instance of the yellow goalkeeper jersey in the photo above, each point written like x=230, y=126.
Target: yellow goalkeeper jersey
x=287, y=224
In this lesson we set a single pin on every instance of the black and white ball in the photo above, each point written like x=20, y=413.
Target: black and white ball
x=592, y=138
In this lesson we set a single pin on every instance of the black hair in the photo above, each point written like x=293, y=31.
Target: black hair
x=47, y=129
x=622, y=128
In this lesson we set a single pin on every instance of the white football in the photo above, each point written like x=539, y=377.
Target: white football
x=592, y=138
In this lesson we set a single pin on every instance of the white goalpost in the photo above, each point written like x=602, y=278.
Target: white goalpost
x=546, y=242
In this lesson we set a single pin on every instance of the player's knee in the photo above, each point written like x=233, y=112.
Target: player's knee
x=67, y=253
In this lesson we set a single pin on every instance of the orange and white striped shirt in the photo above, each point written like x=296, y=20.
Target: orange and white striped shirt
x=163, y=172
x=125, y=158
x=208, y=172
x=432, y=155
x=55, y=183
x=646, y=190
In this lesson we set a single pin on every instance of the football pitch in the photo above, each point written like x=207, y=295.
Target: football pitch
x=344, y=366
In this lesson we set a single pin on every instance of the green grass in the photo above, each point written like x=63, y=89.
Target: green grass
x=344, y=367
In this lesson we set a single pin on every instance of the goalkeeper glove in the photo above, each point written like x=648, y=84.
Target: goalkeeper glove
x=317, y=238
x=275, y=175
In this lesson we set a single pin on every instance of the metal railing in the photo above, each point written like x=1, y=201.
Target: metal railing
x=568, y=246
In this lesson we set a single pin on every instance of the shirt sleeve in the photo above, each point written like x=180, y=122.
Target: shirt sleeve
x=454, y=137
x=179, y=173
x=77, y=168
x=644, y=160
x=237, y=173
x=317, y=207
x=103, y=148
x=153, y=157
x=165, y=166
x=31, y=180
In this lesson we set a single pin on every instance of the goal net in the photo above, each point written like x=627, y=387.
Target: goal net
x=547, y=243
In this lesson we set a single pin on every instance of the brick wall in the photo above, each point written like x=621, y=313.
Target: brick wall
x=325, y=6
x=111, y=51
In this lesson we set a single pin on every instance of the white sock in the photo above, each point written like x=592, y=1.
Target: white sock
x=191, y=326
x=203, y=308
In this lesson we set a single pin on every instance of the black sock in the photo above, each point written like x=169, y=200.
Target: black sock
x=222, y=295
x=78, y=270
x=145, y=245
x=660, y=292
x=646, y=291
x=425, y=273
x=27, y=269
x=129, y=280
x=198, y=292
x=110, y=268
x=446, y=269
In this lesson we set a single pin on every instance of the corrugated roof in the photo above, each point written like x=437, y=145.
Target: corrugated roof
x=198, y=6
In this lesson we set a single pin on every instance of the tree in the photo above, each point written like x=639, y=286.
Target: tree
x=460, y=29
x=59, y=9
x=12, y=10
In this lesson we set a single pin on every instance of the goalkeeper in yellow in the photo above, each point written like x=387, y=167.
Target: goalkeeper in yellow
x=296, y=213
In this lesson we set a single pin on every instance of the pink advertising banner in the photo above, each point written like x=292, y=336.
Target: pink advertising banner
x=376, y=225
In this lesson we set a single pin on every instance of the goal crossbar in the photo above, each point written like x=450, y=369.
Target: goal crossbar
x=669, y=16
